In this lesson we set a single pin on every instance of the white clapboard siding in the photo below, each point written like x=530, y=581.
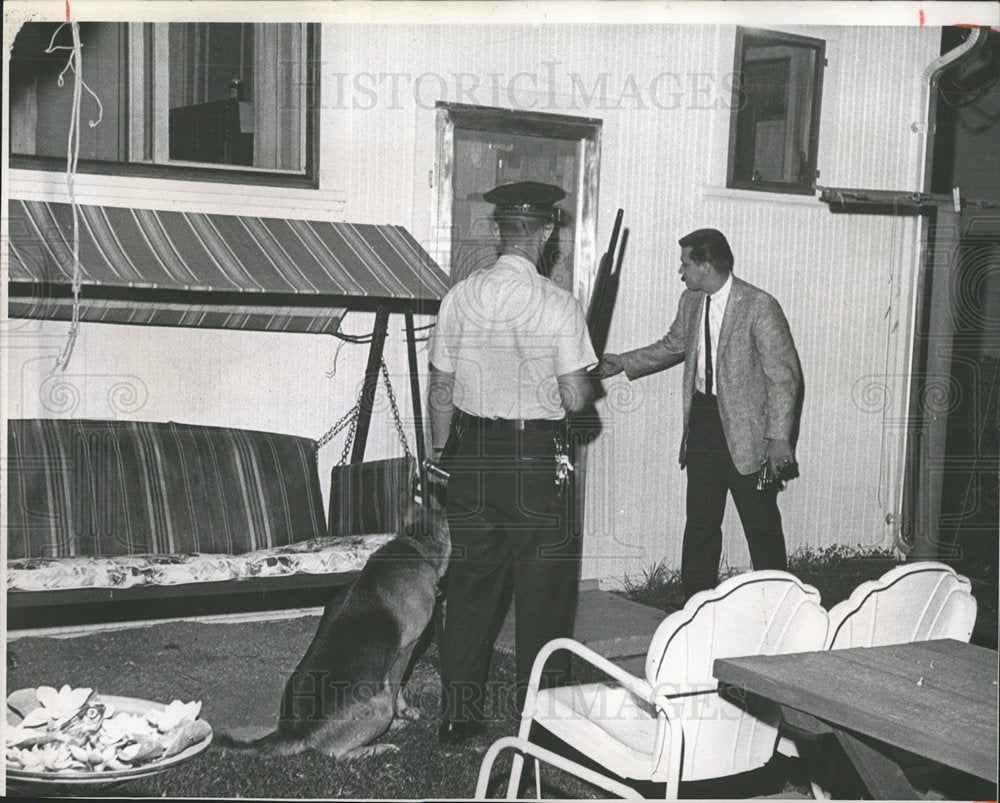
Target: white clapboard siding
x=845, y=282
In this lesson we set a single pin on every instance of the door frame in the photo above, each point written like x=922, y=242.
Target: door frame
x=585, y=130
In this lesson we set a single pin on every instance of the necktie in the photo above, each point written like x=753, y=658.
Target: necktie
x=708, y=348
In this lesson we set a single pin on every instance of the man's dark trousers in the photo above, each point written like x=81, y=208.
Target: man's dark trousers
x=711, y=474
x=510, y=533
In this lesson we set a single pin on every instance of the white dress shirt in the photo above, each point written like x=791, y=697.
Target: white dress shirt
x=719, y=300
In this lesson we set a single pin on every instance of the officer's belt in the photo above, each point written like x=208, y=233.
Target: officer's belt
x=508, y=424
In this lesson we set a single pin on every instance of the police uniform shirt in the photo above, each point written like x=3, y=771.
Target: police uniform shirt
x=506, y=333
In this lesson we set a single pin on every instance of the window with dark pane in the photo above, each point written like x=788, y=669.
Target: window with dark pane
x=775, y=120
x=41, y=90
x=182, y=96
x=211, y=67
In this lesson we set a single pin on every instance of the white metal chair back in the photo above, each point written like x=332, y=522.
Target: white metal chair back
x=672, y=724
x=913, y=602
x=757, y=613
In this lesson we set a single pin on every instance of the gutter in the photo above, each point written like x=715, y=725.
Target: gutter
x=930, y=349
x=932, y=77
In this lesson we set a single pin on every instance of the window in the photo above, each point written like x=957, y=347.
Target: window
x=233, y=99
x=774, y=127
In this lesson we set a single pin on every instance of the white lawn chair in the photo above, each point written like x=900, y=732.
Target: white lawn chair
x=913, y=602
x=672, y=724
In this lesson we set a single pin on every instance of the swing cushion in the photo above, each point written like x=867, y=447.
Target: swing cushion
x=317, y=556
x=91, y=488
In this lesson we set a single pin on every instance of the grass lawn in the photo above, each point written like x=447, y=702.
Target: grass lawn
x=235, y=667
x=422, y=768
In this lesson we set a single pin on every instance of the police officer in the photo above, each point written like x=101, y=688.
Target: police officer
x=508, y=359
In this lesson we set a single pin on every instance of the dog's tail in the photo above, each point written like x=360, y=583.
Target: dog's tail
x=274, y=743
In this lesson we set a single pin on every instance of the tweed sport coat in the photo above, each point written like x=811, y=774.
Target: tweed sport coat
x=757, y=376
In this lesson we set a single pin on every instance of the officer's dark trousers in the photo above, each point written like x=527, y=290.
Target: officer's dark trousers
x=711, y=474
x=510, y=535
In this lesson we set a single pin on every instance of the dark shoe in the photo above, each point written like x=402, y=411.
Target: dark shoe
x=453, y=732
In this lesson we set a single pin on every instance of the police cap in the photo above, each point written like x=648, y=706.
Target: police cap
x=525, y=197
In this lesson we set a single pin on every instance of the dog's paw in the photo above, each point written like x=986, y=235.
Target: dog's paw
x=404, y=710
x=404, y=718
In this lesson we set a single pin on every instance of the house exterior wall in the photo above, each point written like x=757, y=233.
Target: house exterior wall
x=845, y=282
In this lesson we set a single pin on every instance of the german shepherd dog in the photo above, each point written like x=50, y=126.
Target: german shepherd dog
x=347, y=689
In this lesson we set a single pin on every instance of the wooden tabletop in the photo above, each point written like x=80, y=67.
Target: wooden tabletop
x=937, y=699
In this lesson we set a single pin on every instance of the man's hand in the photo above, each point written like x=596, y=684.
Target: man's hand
x=609, y=365
x=779, y=456
x=576, y=390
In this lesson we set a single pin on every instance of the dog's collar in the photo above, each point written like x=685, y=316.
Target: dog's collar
x=424, y=552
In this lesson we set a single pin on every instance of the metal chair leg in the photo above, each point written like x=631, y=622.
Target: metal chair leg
x=554, y=759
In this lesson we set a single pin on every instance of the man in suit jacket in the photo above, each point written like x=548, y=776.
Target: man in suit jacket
x=740, y=404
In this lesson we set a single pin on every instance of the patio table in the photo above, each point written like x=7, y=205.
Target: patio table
x=936, y=699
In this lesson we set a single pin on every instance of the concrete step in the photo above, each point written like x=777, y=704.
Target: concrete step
x=607, y=623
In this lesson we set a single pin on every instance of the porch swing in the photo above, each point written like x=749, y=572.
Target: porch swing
x=110, y=510
x=191, y=269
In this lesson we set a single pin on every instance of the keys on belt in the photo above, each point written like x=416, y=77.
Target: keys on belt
x=462, y=421
x=563, y=464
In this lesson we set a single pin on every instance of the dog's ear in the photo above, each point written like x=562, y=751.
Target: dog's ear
x=416, y=522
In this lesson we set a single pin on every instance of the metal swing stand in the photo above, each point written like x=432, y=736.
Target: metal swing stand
x=432, y=480
x=375, y=355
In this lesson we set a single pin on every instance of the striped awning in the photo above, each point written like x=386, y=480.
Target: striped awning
x=219, y=271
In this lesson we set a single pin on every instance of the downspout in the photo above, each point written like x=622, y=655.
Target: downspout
x=932, y=76
x=930, y=361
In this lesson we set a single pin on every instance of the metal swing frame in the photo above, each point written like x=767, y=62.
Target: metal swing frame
x=375, y=355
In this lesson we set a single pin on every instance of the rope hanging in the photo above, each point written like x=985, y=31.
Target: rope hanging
x=74, y=63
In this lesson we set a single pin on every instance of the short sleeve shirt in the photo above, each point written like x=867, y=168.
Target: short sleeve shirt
x=506, y=333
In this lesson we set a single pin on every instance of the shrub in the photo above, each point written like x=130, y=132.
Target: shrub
x=835, y=570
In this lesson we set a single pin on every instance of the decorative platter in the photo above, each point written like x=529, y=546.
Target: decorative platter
x=75, y=737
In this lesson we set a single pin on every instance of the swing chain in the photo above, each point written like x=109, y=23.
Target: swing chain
x=349, y=442
x=395, y=411
x=350, y=421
